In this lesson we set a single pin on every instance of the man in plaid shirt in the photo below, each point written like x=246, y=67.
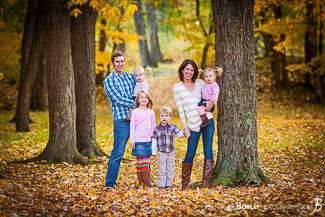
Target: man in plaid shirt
x=164, y=138
x=119, y=87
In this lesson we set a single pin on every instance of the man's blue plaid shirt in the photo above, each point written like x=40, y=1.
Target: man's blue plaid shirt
x=119, y=90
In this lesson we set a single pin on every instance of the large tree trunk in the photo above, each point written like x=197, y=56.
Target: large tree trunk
x=28, y=77
x=38, y=100
x=310, y=41
x=153, y=34
x=83, y=47
x=237, y=161
x=141, y=30
x=102, y=44
x=27, y=42
x=62, y=145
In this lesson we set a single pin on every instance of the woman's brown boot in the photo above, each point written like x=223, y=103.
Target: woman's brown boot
x=146, y=178
x=207, y=172
x=186, y=174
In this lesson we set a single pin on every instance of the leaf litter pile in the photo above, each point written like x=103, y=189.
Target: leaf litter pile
x=291, y=153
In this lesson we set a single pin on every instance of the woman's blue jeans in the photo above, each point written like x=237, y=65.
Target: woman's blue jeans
x=192, y=142
x=121, y=136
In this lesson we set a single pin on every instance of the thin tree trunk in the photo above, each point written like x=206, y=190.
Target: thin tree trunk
x=27, y=42
x=321, y=77
x=141, y=30
x=28, y=77
x=83, y=47
x=310, y=43
x=39, y=95
x=285, y=75
x=237, y=160
x=153, y=34
x=276, y=55
x=62, y=145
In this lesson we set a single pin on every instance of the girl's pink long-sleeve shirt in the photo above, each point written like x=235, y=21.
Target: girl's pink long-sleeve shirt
x=144, y=85
x=142, y=125
x=210, y=91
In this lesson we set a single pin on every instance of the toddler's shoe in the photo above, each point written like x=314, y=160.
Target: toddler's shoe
x=205, y=120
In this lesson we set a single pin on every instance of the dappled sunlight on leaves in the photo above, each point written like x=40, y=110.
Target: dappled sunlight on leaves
x=291, y=153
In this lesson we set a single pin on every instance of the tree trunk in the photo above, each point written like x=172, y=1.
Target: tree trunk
x=83, y=48
x=62, y=146
x=28, y=77
x=285, y=75
x=237, y=160
x=310, y=41
x=153, y=33
x=39, y=95
x=321, y=77
x=141, y=30
x=206, y=49
x=27, y=42
x=102, y=44
x=276, y=55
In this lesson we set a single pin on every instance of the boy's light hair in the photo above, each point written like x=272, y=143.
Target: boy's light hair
x=167, y=109
x=138, y=69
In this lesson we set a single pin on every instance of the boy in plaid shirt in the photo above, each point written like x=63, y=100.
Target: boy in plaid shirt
x=164, y=139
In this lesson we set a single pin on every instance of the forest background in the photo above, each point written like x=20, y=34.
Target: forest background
x=290, y=89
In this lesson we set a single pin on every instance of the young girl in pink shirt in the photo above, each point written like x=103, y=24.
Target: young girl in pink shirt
x=141, y=129
x=210, y=92
x=141, y=84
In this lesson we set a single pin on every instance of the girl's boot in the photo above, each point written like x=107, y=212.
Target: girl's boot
x=139, y=174
x=146, y=178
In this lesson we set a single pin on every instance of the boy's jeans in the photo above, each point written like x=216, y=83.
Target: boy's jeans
x=166, y=168
x=121, y=136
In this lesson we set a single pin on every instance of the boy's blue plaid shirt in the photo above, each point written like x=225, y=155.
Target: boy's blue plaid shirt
x=119, y=90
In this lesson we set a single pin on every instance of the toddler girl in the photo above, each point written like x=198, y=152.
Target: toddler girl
x=141, y=129
x=209, y=92
x=141, y=84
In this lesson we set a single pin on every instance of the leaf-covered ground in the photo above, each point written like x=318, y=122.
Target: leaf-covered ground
x=291, y=153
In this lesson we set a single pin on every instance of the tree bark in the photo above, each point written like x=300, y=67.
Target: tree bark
x=62, y=146
x=26, y=42
x=321, y=77
x=310, y=41
x=153, y=35
x=102, y=44
x=285, y=76
x=276, y=55
x=28, y=77
x=83, y=46
x=237, y=160
x=39, y=95
x=141, y=30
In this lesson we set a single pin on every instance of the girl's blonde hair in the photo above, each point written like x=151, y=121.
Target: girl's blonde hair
x=150, y=103
x=218, y=69
x=138, y=69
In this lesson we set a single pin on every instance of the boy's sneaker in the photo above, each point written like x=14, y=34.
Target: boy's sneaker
x=205, y=120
